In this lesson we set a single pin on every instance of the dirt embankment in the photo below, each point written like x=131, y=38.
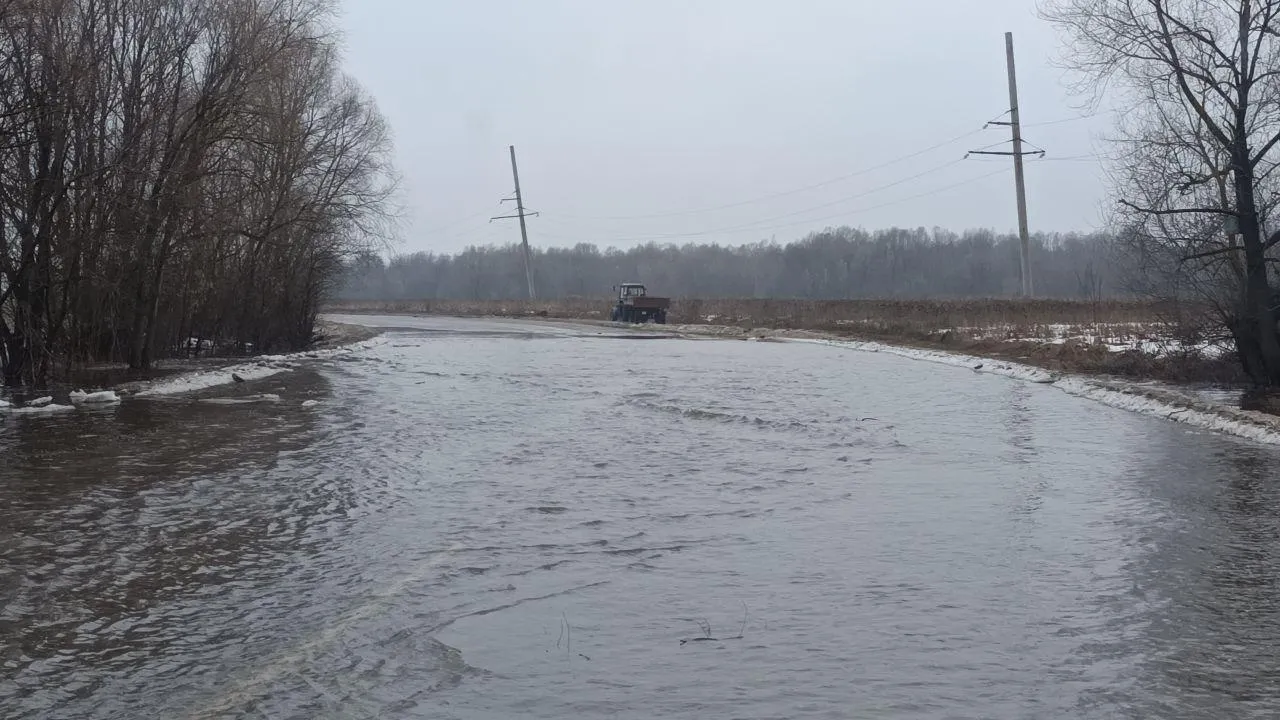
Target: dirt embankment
x=1114, y=338
x=330, y=335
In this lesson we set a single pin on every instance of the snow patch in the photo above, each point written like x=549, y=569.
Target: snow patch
x=193, y=344
x=101, y=397
x=263, y=366
x=1154, y=339
x=205, y=379
x=310, y=403
x=326, y=353
x=38, y=409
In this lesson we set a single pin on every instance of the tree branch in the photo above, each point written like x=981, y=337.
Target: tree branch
x=1180, y=75
x=1179, y=211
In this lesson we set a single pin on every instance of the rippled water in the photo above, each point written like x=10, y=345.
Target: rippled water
x=495, y=520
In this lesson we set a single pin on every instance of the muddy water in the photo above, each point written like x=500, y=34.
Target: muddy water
x=495, y=520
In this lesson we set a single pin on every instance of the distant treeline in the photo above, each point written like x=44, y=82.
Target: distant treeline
x=174, y=170
x=840, y=263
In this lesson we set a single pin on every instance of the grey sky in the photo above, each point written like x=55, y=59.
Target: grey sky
x=622, y=108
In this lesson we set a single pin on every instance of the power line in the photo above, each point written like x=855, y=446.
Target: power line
x=756, y=227
x=872, y=191
x=1062, y=120
x=446, y=226
x=1073, y=158
x=824, y=183
x=784, y=193
x=988, y=147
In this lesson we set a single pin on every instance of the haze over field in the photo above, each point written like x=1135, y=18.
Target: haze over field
x=628, y=115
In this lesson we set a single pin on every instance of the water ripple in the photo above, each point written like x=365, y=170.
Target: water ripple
x=481, y=520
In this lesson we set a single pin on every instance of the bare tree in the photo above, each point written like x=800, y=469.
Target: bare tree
x=836, y=263
x=1195, y=173
x=172, y=169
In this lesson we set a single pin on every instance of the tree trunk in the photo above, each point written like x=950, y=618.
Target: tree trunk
x=1263, y=337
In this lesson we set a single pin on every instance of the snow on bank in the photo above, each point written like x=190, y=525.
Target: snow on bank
x=1154, y=339
x=1158, y=401
x=329, y=353
x=45, y=409
x=260, y=368
x=205, y=379
x=101, y=397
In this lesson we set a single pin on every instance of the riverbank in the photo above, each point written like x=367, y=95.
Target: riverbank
x=331, y=335
x=331, y=338
x=179, y=376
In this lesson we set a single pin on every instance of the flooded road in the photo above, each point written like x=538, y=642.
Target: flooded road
x=487, y=519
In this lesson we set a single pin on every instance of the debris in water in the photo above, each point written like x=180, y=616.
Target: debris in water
x=101, y=397
x=705, y=625
x=264, y=397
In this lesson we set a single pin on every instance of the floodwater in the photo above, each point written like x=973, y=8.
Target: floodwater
x=485, y=519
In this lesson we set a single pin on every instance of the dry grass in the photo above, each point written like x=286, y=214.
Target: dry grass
x=569, y=308
x=1096, y=359
x=1029, y=331
x=896, y=316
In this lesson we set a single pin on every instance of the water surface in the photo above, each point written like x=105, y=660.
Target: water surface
x=488, y=519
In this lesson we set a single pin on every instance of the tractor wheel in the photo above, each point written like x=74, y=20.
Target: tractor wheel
x=661, y=317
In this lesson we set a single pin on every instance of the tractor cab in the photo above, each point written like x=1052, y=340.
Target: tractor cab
x=630, y=290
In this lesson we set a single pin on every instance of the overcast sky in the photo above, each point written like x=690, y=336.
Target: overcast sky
x=714, y=120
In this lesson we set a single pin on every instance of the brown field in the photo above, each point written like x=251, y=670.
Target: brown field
x=892, y=315
x=1126, y=338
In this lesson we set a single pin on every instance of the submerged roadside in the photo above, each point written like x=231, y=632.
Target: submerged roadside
x=1205, y=405
x=1129, y=339
x=105, y=385
x=1213, y=407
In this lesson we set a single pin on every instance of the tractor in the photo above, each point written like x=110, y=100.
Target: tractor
x=634, y=306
